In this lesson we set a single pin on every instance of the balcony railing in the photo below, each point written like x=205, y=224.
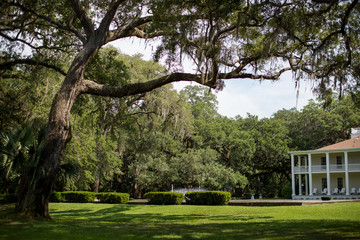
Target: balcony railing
x=354, y=167
x=322, y=168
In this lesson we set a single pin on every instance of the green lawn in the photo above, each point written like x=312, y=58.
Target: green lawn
x=105, y=221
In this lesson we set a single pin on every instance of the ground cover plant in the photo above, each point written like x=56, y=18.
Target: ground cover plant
x=115, y=221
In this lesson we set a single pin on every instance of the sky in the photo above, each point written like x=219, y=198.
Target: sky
x=240, y=96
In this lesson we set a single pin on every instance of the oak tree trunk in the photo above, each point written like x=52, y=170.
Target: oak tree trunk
x=36, y=186
x=96, y=183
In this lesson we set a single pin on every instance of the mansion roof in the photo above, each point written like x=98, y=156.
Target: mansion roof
x=350, y=143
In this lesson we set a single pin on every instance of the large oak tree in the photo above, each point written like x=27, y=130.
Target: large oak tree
x=224, y=39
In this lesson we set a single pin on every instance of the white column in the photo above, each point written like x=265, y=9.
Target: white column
x=292, y=175
x=346, y=173
x=328, y=173
x=306, y=180
x=300, y=182
x=310, y=175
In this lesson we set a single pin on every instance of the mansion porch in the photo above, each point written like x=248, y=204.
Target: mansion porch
x=332, y=171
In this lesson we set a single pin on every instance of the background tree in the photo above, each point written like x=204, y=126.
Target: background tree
x=315, y=126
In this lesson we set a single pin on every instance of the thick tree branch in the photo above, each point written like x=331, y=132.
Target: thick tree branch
x=94, y=88
x=233, y=75
x=129, y=29
x=91, y=87
x=83, y=16
x=16, y=76
x=10, y=64
x=109, y=16
x=325, y=1
x=29, y=44
x=141, y=34
x=133, y=28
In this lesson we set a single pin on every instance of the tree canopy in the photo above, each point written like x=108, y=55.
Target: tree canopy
x=227, y=39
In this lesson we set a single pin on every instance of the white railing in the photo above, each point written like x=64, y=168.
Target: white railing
x=354, y=167
x=301, y=169
x=322, y=168
x=318, y=168
x=337, y=168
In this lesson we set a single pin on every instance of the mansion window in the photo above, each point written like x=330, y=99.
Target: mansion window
x=339, y=161
x=323, y=163
x=323, y=183
x=340, y=183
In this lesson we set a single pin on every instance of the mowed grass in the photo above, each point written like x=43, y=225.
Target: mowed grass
x=107, y=221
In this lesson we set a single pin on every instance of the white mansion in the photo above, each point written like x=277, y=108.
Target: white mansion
x=332, y=171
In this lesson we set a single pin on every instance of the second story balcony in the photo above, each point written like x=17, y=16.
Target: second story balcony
x=322, y=168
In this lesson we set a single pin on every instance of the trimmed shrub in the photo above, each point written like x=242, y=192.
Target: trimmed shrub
x=113, y=197
x=286, y=192
x=164, y=198
x=79, y=197
x=208, y=198
x=326, y=198
x=57, y=197
x=8, y=198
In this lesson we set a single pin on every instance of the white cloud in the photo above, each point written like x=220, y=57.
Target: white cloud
x=233, y=104
x=262, y=99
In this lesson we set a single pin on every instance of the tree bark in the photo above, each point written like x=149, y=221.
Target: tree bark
x=96, y=183
x=36, y=184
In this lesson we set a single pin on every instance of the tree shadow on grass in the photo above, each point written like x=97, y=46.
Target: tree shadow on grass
x=89, y=213
x=252, y=230
x=123, y=214
x=120, y=222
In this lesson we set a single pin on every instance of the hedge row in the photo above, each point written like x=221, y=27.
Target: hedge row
x=164, y=198
x=8, y=198
x=79, y=196
x=208, y=198
x=159, y=198
x=88, y=197
x=192, y=198
x=113, y=197
x=57, y=197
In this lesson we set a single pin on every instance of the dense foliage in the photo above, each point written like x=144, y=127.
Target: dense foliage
x=165, y=139
x=168, y=139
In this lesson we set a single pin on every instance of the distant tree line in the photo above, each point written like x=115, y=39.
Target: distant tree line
x=160, y=139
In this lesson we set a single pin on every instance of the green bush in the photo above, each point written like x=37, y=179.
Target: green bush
x=286, y=192
x=113, y=197
x=208, y=198
x=8, y=198
x=57, y=197
x=164, y=198
x=79, y=197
